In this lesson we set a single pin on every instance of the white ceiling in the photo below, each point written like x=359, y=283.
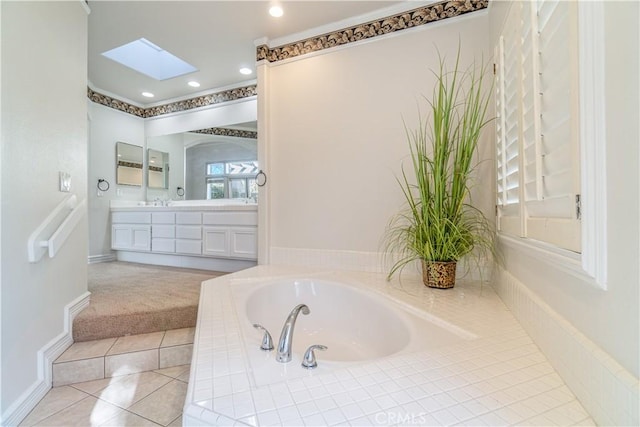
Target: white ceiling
x=217, y=37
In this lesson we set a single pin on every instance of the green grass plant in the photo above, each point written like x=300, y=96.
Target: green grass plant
x=438, y=222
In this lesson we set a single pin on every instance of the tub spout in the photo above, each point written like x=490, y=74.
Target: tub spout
x=286, y=337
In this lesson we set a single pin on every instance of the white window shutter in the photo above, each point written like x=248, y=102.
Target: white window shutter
x=508, y=110
x=551, y=160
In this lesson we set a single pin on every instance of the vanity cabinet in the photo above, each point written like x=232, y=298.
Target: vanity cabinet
x=222, y=234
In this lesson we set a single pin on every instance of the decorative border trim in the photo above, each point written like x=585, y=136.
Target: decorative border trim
x=114, y=103
x=237, y=133
x=173, y=107
x=413, y=18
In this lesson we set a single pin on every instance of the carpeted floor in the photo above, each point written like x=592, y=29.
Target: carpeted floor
x=128, y=299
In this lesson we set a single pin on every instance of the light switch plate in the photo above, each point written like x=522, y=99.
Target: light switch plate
x=65, y=182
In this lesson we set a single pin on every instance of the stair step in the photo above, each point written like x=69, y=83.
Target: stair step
x=99, y=359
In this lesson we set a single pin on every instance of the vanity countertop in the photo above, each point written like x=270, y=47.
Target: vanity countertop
x=133, y=206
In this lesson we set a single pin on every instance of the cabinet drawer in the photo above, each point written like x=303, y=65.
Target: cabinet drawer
x=163, y=231
x=189, y=218
x=163, y=245
x=163, y=217
x=230, y=218
x=188, y=232
x=131, y=217
x=192, y=247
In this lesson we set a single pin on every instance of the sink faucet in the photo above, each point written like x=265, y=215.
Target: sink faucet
x=286, y=336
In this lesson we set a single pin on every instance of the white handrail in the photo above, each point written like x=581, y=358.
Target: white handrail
x=55, y=229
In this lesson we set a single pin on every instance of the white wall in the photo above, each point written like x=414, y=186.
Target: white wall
x=336, y=138
x=108, y=126
x=599, y=313
x=598, y=353
x=44, y=131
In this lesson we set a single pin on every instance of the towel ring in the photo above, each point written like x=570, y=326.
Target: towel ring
x=262, y=182
x=103, y=185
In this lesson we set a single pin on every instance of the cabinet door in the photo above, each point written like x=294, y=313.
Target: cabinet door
x=121, y=236
x=215, y=241
x=131, y=237
x=141, y=237
x=244, y=242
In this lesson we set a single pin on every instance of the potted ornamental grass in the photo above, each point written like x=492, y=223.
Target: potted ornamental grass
x=438, y=226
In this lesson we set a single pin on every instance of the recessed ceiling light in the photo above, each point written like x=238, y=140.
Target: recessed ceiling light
x=246, y=71
x=193, y=83
x=148, y=94
x=276, y=11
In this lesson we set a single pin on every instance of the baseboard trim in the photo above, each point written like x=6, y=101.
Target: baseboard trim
x=94, y=259
x=606, y=389
x=202, y=263
x=19, y=409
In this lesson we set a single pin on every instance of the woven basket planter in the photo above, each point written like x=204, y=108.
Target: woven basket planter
x=437, y=274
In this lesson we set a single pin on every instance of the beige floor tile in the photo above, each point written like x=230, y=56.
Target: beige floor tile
x=54, y=401
x=164, y=405
x=136, y=343
x=128, y=419
x=126, y=390
x=184, y=377
x=92, y=387
x=78, y=371
x=174, y=371
x=131, y=363
x=178, y=337
x=87, y=412
x=86, y=350
x=175, y=356
x=177, y=422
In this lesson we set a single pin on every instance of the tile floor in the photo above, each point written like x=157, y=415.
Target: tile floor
x=153, y=398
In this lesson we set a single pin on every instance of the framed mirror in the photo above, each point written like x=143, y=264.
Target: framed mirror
x=157, y=169
x=211, y=163
x=128, y=164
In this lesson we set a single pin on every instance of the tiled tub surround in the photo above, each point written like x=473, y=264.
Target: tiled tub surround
x=498, y=378
x=111, y=357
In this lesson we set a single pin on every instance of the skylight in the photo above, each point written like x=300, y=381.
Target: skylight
x=149, y=59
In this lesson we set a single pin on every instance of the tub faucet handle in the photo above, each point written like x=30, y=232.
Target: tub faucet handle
x=309, y=359
x=267, y=342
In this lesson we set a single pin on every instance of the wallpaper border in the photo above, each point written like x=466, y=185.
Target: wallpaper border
x=173, y=107
x=379, y=27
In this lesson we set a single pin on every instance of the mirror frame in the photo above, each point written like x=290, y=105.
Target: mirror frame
x=128, y=166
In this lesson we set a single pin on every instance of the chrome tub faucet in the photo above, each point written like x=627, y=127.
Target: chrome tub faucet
x=286, y=336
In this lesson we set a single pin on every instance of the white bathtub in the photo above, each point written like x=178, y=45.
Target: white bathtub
x=356, y=324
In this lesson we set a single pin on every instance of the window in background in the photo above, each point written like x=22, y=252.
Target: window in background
x=232, y=180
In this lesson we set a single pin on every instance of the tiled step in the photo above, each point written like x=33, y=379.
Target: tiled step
x=93, y=360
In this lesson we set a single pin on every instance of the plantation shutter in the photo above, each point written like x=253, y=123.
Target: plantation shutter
x=538, y=171
x=551, y=145
x=507, y=109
